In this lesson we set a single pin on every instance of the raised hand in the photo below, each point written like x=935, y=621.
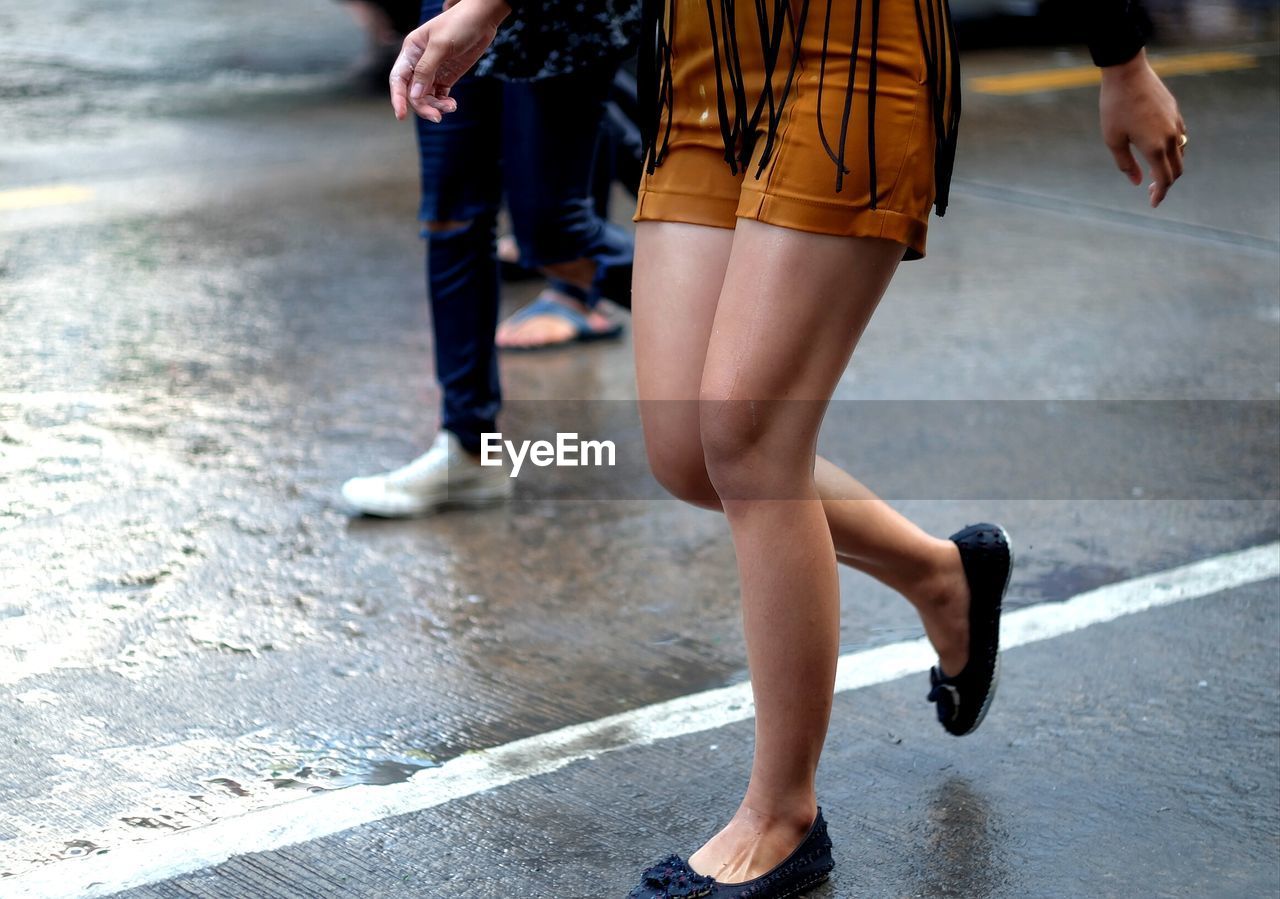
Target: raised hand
x=1138, y=110
x=435, y=55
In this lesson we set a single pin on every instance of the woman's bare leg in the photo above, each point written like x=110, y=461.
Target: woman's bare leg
x=679, y=270
x=873, y=537
x=678, y=277
x=791, y=311
x=787, y=307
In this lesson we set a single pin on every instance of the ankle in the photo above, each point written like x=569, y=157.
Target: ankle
x=935, y=587
x=581, y=273
x=467, y=453
x=567, y=300
x=794, y=813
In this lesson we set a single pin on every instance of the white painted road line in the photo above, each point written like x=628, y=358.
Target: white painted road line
x=329, y=813
x=14, y=199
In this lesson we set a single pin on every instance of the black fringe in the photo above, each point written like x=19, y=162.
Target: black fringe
x=943, y=77
x=740, y=130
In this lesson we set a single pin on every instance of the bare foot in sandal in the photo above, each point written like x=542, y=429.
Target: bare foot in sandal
x=554, y=319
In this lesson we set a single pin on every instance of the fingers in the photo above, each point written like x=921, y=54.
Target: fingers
x=1125, y=161
x=402, y=74
x=428, y=99
x=1173, y=152
x=1179, y=141
x=409, y=85
x=1165, y=160
x=1161, y=165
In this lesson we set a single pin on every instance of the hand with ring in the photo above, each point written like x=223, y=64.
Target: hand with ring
x=1138, y=111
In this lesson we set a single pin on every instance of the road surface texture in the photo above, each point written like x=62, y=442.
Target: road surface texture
x=216, y=681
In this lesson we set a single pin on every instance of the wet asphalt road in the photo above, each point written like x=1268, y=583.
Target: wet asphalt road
x=221, y=319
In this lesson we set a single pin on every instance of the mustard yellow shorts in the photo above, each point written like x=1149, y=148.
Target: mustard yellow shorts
x=810, y=153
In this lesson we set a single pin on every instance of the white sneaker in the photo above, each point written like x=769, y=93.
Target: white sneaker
x=445, y=475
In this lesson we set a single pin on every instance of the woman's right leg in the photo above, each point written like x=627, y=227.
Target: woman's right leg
x=679, y=272
x=678, y=277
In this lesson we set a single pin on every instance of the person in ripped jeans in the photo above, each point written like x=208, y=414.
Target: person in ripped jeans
x=529, y=133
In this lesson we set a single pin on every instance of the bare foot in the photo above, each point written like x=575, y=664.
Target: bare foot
x=751, y=844
x=943, y=604
x=531, y=331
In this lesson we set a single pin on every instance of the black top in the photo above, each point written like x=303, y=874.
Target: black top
x=547, y=36
x=1116, y=29
x=543, y=38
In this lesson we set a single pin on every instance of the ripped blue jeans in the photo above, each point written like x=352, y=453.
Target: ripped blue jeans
x=532, y=144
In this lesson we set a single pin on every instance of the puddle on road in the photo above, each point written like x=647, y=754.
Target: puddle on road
x=264, y=770
x=962, y=844
x=228, y=784
x=81, y=848
x=330, y=764
x=316, y=778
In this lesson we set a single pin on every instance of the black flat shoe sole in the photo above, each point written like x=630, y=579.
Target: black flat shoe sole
x=999, y=610
x=805, y=887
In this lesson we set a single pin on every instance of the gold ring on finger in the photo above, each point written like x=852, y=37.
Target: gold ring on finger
x=1183, y=140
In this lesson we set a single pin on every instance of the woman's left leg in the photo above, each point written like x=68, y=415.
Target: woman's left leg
x=791, y=310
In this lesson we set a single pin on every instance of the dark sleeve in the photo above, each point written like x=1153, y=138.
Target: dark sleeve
x=1115, y=29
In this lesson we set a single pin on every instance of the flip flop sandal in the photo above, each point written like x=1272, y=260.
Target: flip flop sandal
x=808, y=865
x=962, y=700
x=583, y=332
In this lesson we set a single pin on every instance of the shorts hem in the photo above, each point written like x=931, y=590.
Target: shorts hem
x=831, y=218
x=691, y=209
x=796, y=213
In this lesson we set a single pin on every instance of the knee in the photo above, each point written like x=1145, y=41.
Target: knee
x=732, y=436
x=455, y=246
x=447, y=228
x=559, y=231
x=757, y=449
x=678, y=466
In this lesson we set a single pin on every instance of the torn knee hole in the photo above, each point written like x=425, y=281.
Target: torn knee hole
x=449, y=228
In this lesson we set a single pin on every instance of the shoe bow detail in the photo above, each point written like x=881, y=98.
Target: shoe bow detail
x=677, y=880
x=945, y=695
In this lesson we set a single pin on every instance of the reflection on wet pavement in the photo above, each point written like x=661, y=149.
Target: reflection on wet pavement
x=172, y=436
x=959, y=845
x=260, y=770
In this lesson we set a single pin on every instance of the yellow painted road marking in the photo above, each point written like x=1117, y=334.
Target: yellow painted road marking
x=1084, y=76
x=36, y=197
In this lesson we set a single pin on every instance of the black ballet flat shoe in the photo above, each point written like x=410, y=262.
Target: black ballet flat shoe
x=808, y=865
x=963, y=699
